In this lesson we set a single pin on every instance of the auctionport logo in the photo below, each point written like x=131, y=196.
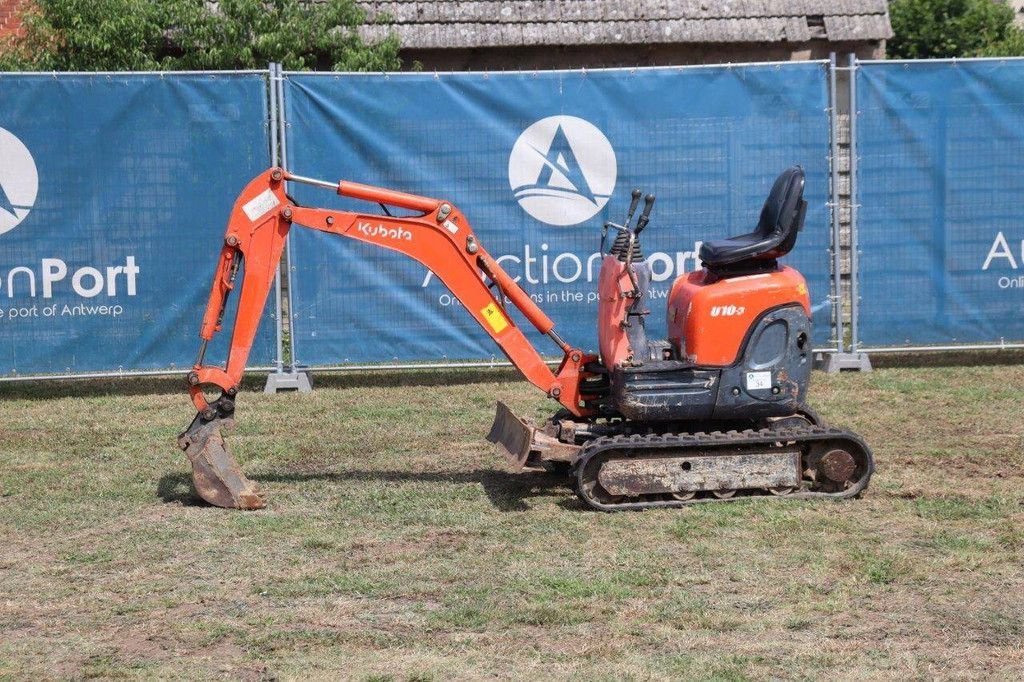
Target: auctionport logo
x=562, y=170
x=19, y=181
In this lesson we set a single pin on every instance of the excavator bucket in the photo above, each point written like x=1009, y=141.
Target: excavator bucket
x=512, y=435
x=215, y=474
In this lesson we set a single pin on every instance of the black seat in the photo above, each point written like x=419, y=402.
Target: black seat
x=775, y=235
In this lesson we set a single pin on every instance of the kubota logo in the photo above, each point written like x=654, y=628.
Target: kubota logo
x=19, y=181
x=562, y=170
x=379, y=230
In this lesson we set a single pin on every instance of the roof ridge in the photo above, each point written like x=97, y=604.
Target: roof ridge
x=451, y=24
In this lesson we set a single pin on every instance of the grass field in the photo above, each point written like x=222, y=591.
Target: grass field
x=397, y=546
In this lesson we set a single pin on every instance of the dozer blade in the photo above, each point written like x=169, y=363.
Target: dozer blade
x=512, y=435
x=215, y=474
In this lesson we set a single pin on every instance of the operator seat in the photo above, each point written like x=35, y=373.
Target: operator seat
x=782, y=217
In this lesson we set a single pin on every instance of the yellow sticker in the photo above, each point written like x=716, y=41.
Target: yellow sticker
x=495, y=318
x=801, y=288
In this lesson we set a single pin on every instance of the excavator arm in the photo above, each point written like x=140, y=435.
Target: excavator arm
x=437, y=235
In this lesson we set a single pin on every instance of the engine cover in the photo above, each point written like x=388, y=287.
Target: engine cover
x=709, y=319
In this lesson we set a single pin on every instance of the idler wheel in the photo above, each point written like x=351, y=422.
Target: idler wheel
x=837, y=466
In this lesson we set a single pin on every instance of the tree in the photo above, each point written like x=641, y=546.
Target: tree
x=952, y=28
x=1012, y=45
x=137, y=35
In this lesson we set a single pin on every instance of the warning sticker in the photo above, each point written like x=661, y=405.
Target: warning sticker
x=495, y=318
x=758, y=380
x=259, y=206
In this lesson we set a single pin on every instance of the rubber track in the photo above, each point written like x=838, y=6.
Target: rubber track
x=757, y=439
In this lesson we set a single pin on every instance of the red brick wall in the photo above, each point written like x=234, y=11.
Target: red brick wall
x=9, y=11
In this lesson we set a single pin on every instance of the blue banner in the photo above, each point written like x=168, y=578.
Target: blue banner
x=941, y=223
x=114, y=195
x=538, y=162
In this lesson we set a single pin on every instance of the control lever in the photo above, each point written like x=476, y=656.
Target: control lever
x=641, y=223
x=632, y=206
x=629, y=216
x=645, y=217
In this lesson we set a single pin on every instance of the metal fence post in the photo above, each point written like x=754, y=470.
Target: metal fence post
x=840, y=358
x=274, y=161
x=290, y=377
x=837, y=235
x=854, y=206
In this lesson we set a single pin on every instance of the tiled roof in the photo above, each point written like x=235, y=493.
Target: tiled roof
x=438, y=24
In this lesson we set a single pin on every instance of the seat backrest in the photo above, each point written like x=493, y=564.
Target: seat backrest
x=782, y=215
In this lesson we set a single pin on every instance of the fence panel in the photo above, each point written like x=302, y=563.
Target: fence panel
x=114, y=193
x=941, y=221
x=538, y=161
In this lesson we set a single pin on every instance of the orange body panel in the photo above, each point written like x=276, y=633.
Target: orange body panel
x=612, y=304
x=708, y=320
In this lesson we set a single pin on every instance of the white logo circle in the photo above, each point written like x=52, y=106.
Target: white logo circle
x=562, y=170
x=19, y=181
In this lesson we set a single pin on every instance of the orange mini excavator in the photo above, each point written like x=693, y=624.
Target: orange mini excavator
x=714, y=412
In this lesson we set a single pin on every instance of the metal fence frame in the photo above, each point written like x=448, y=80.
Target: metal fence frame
x=494, y=362
x=110, y=75
x=287, y=372
x=855, y=345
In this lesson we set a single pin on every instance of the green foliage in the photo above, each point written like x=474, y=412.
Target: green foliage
x=121, y=35
x=952, y=28
x=1012, y=45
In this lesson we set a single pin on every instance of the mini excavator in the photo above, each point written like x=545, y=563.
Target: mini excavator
x=715, y=412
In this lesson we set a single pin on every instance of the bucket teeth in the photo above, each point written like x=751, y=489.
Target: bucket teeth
x=215, y=474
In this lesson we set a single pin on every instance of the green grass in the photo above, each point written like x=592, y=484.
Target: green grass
x=396, y=545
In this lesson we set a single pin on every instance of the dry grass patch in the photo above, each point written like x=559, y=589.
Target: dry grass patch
x=397, y=547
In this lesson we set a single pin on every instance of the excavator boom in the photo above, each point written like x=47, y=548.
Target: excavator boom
x=437, y=235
